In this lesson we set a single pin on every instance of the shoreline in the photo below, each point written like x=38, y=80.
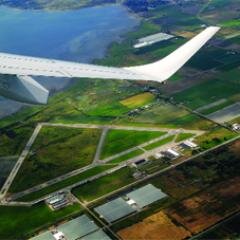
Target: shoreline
x=71, y=81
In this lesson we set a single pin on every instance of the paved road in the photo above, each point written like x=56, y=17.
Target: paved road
x=51, y=182
x=97, y=155
x=119, y=127
x=19, y=162
x=68, y=188
x=100, y=145
x=78, y=171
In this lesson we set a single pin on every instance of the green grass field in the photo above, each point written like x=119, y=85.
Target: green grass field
x=119, y=140
x=127, y=156
x=104, y=185
x=214, y=137
x=183, y=136
x=55, y=187
x=13, y=141
x=56, y=151
x=159, y=143
x=18, y=222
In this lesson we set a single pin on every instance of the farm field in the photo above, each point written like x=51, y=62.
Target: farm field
x=196, y=96
x=56, y=151
x=200, y=173
x=209, y=207
x=165, y=114
x=226, y=114
x=214, y=137
x=202, y=189
x=138, y=100
x=157, y=226
x=229, y=229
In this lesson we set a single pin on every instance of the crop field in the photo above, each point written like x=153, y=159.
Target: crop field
x=158, y=226
x=206, y=190
x=138, y=100
x=226, y=114
x=119, y=140
x=56, y=151
x=207, y=59
x=194, y=176
x=214, y=137
x=19, y=222
x=211, y=15
x=166, y=115
x=227, y=230
x=215, y=106
x=197, y=96
x=209, y=207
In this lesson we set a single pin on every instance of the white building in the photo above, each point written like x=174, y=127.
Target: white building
x=172, y=154
x=149, y=40
x=236, y=127
x=189, y=144
x=158, y=155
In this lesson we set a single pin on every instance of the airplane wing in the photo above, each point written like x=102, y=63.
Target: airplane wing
x=26, y=89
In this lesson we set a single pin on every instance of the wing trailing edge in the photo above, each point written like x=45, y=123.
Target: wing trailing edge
x=25, y=89
x=163, y=69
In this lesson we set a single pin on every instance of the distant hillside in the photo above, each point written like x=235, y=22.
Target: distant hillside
x=134, y=5
x=144, y=5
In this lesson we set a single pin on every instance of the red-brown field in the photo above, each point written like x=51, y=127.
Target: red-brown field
x=158, y=226
x=207, y=208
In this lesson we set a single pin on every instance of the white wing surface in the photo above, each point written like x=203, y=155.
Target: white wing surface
x=31, y=66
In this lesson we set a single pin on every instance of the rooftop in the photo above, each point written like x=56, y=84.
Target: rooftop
x=114, y=210
x=78, y=227
x=146, y=195
x=44, y=236
x=98, y=235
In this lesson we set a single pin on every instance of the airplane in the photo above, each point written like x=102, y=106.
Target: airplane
x=24, y=88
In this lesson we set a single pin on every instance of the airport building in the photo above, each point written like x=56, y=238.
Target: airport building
x=114, y=210
x=58, y=200
x=171, y=154
x=130, y=203
x=145, y=196
x=81, y=228
x=189, y=144
x=149, y=40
